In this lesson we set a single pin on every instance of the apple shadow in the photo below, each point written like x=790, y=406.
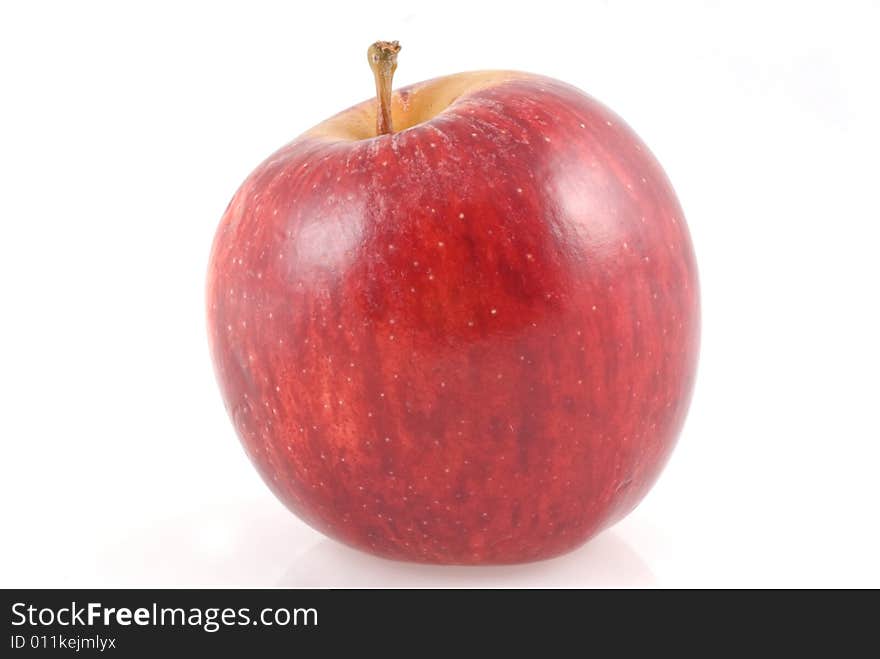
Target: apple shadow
x=604, y=562
x=231, y=544
x=251, y=544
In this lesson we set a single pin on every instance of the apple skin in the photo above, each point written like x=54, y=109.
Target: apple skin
x=472, y=341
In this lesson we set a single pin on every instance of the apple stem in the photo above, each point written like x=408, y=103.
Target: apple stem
x=382, y=56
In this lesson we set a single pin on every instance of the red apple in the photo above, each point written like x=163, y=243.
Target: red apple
x=472, y=340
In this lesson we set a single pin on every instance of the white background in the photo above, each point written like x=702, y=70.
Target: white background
x=126, y=127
